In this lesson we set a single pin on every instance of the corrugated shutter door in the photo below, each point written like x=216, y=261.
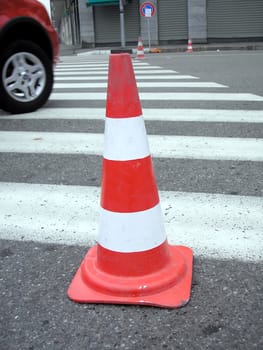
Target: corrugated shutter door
x=234, y=19
x=172, y=20
x=107, y=23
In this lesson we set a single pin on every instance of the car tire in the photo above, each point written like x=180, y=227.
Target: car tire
x=26, y=77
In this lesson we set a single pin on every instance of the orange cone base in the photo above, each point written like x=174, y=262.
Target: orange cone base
x=168, y=287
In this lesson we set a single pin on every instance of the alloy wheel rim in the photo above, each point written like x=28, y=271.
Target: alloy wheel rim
x=24, y=77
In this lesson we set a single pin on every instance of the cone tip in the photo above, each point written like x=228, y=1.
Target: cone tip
x=122, y=94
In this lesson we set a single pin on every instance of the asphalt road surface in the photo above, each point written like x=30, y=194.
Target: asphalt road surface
x=204, y=119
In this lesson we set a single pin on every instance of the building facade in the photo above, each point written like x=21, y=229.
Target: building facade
x=92, y=23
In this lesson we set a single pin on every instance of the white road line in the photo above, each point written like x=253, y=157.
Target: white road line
x=162, y=96
x=213, y=225
x=94, y=64
x=190, y=147
x=81, y=65
x=138, y=77
x=176, y=115
x=138, y=67
x=105, y=72
x=95, y=85
x=77, y=59
x=76, y=62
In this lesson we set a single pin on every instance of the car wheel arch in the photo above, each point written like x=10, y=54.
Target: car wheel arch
x=25, y=28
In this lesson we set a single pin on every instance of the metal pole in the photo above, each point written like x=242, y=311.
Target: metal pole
x=122, y=27
x=72, y=25
x=149, y=33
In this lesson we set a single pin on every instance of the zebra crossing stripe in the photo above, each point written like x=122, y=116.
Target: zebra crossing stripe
x=95, y=85
x=138, y=77
x=103, y=67
x=162, y=96
x=162, y=114
x=105, y=72
x=214, y=225
x=188, y=147
x=94, y=64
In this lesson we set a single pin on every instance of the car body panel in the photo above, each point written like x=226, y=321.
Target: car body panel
x=14, y=11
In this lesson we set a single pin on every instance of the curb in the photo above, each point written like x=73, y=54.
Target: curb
x=107, y=52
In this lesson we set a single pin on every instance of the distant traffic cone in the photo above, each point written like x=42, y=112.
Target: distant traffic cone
x=140, y=50
x=189, y=46
x=132, y=262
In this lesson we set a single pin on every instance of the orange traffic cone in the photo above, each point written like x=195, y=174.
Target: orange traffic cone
x=132, y=262
x=189, y=46
x=140, y=50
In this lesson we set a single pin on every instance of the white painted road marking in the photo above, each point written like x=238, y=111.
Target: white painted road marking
x=159, y=84
x=80, y=65
x=105, y=71
x=162, y=114
x=138, y=77
x=214, y=225
x=103, y=68
x=188, y=147
x=162, y=96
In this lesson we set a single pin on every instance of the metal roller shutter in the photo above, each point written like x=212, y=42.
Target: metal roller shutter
x=107, y=24
x=234, y=19
x=172, y=20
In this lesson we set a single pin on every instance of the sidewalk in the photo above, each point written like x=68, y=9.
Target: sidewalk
x=70, y=50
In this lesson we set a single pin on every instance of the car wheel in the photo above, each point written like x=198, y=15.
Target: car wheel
x=26, y=77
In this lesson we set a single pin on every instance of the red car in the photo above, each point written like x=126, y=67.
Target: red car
x=29, y=49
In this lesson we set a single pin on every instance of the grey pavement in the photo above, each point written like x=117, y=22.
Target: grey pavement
x=224, y=312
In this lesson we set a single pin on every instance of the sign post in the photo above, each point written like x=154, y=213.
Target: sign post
x=122, y=27
x=147, y=10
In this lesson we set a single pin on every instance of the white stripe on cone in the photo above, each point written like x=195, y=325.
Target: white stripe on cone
x=125, y=138
x=140, y=231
